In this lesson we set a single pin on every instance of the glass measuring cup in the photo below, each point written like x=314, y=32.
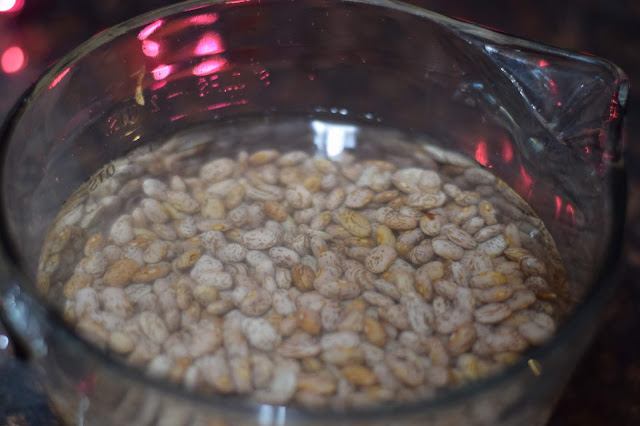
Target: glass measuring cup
x=547, y=122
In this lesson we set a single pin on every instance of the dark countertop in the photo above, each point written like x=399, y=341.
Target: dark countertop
x=605, y=388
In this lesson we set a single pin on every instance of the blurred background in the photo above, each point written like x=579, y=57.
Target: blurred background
x=606, y=386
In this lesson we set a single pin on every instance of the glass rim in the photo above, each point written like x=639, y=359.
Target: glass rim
x=593, y=300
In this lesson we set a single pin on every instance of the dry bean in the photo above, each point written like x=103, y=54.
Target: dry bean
x=487, y=279
x=298, y=197
x=256, y=302
x=380, y=259
x=406, y=180
x=154, y=188
x=151, y=273
x=359, y=375
x=338, y=289
x=447, y=250
x=260, y=333
x=114, y=301
x=264, y=192
x=300, y=345
x=426, y=200
x=487, y=212
x=429, y=181
x=494, y=294
x=493, y=247
x=122, y=230
x=512, y=235
x=87, y=301
x=464, y=214
x=352, y=321
x=217, y=170
x=220, y=307
x=534, y=333
x=121, y=343
x=410, y=373
x=450, y=321
x=492, y=313
x=460, y=238
x=320, y=221
x=259, y=239
x=94, y=244
x=413, y=237
x=331, y=315
x=420, y=315
x=153, y=327
x=477, y=263
x=396, y=315
x=358, y=198
x=465, y=299
x=532, y=266
x=521, y=299
x=182, y=202
x=488, y=232
x=387, y=288
x=232, y=252
x=461, y=340
x=284, y=257
x=120, y=273
x=446, y=289
x=355, y=223
x=473, y=225
x=505, y=339
x=399, y=222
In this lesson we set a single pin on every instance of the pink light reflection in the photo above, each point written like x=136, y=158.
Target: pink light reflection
x=177, y=117
x=209, y=67
x=11, y=5
x=150, y=48
x=13, y=60
x=554, y=88
x=526, y=179
x=150, y=29
x=59, y=78
x=571, y=213
x=482, y=156
x=204, y=19
x=558, y=207
x=209, y=44
x=162, y=71
x=158, y=86
x=507, y=151
x=225, y=104
x=542, y=63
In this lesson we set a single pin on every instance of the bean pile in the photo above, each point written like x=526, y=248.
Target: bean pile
x=295, y=279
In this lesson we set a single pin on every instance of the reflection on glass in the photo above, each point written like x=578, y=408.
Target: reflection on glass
x=507, y=151
x=13, y=60
x=11, y=5
x=209, y=66
x=150, y=48
x=209, y=44
x=269, y=415
x=59, y=78
x=162, y=71
x=482, y=155
x=204, y=19
x=150, y=29
x=332, y=139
